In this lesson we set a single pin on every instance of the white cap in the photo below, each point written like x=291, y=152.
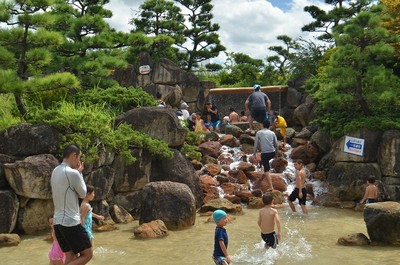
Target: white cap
x=184, y=105
x=226, y=118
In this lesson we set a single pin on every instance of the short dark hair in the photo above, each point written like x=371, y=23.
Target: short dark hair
x=371, y=179
x=299, y=161
x=265, y=123
x=267, y=198
x=71, y=149
x=89, y=188
x=158, y=95
x=242, y=113
x=276, y=114
x=231, y=109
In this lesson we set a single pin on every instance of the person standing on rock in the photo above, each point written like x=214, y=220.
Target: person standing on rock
x=299, y=192
x=267, y=143
x=68, y=186
x=259, y=105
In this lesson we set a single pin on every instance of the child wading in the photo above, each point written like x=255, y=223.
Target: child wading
x=267, y=219
x=56, y=256
x=220, y=255
x=87, y=214
x=371, y=191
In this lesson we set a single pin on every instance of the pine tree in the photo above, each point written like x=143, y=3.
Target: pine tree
x=91, y=47
x=25, y=46
x=282, y=59
x=202, y=35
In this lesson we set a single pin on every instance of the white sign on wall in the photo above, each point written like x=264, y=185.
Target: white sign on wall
x=144, y=69
x=353, y=145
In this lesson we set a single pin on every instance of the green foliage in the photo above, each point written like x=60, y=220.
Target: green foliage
x=116, y=98
x=91, y=127
x=201, y=33
x=191, y=151
x=8, y=112
x=193, y=138
x=354, y=88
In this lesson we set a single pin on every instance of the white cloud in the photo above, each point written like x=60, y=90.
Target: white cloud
x=247, y=26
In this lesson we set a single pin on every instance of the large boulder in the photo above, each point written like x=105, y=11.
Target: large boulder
x=27, y=140
x=389, y=154
x=383, y=222
x=4, y=159
x=293, y=97
x=30, y=177
x=370, y=154
x=322, y=141
x=120, y=215
x=178, y=169
x=171, y=202
x=33, y=217
x=160, y=123
x=9, y=205
x=132, y=177
x=392, y=187
x=102, y=180
x=301, y=115
x=130, y=201
x=233, y=130
x=210, y=148
x=307, y=153
x=347, y=179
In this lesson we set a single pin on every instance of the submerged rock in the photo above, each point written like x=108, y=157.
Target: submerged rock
x=153, y=229
x=9, y=240
x=358, y=239
x=221, y=204
x=383, y=222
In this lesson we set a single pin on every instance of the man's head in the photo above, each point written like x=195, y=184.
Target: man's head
x=72, y=155
x=268, y=198
x=265, y=123
x=257, y=87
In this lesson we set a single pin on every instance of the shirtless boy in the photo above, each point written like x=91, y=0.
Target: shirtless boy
x=300, y=191
x=267, y=219
x=371, y=191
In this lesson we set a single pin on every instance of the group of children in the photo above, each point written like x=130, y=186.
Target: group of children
x=56, y=256
x=268, y=218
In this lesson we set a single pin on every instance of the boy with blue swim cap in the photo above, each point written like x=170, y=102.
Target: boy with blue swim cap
x=220, y=254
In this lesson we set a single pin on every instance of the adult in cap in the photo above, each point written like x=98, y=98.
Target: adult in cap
x=259, y=104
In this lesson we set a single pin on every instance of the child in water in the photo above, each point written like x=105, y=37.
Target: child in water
x=56, y=256
x=267, y=219
x=87, y=213
x=220, y=254
x=371, y=191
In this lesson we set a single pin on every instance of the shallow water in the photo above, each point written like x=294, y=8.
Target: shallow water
x=305, y=240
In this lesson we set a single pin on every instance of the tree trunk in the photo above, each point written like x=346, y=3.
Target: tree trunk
x=361, y=100
x=20, y=104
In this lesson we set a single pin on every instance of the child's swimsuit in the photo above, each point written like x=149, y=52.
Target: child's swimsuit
x=370, y=201
x=87, y=223
x=270, y=239
x=295, y=195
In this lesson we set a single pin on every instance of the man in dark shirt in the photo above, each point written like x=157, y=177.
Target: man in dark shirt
x=259, y=104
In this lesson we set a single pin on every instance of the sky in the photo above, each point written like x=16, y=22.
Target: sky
x=247, y=26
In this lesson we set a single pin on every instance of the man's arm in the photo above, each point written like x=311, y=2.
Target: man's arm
x=365, y=195
x=255, y=145
x=268, y=103
x=246, y=105
x=276, y=146
x=259, y=219
x=79, y=185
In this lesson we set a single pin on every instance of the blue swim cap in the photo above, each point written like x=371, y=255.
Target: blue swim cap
x=218, y=215
x=256, y=86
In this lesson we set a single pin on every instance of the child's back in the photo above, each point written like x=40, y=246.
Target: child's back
x=267, y=219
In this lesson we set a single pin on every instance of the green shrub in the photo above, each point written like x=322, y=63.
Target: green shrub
x=91, y=127
x=193, y=138
x=191, y=151
x=8, y=112
x=117, y=98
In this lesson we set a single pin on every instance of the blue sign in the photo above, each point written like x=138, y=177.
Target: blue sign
x=353, y=145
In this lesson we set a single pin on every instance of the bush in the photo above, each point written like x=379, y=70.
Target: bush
x=7, y=109
x=193, y=138
x=91, y=127
x=117, y=98
x=191, y=151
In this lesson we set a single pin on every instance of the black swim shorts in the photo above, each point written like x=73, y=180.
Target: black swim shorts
x=72, y=238
x=270, y=239
x=295, y=195
x=265, y=158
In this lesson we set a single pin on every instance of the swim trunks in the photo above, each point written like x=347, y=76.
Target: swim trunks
x=220, y=260
x=370, y=201
x=270, y=239
x=72, y=238
x=295, y=195
x=265, y=158
x=258, y=115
